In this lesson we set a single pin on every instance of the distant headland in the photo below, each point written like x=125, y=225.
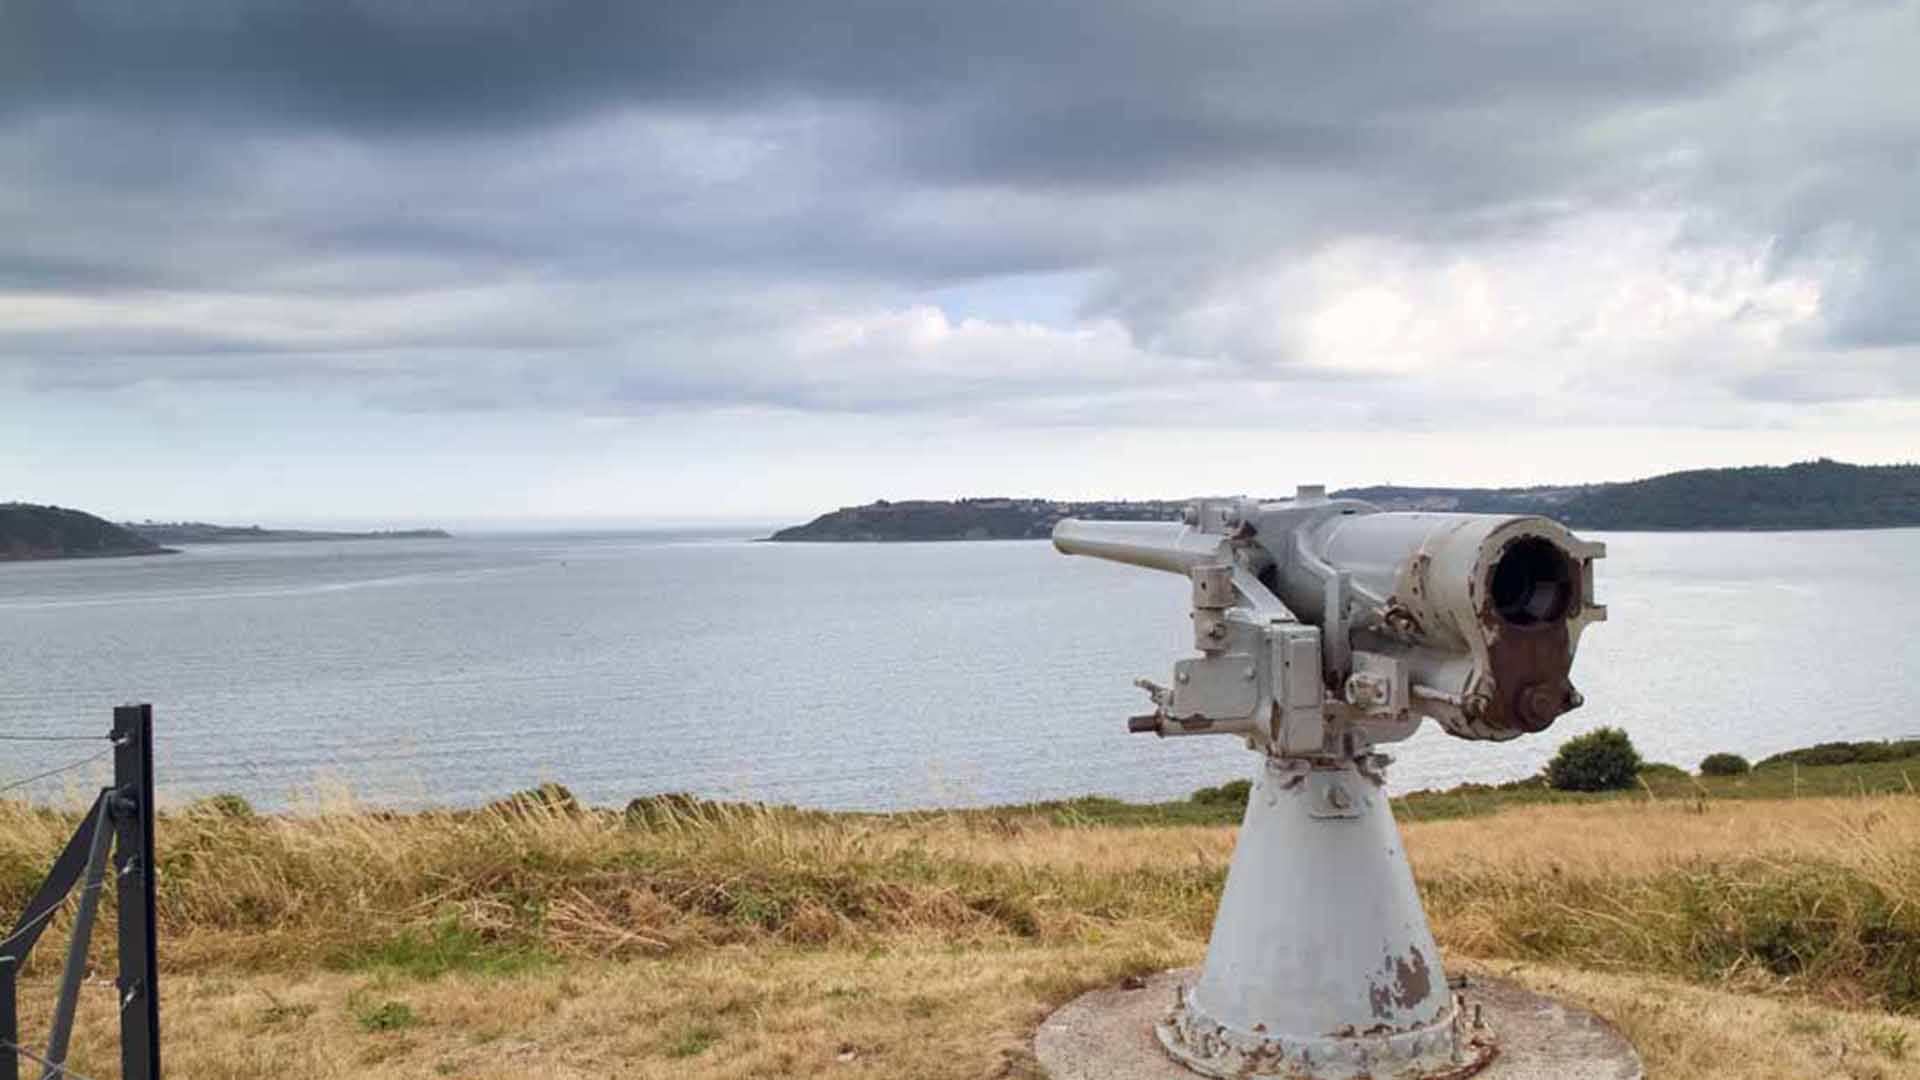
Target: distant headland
x=199, y=532
x=1822, y=494
x=32, y=531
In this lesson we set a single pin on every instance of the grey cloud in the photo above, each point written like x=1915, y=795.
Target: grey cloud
x=1852, y=374
x=1029, y=88
x=652, y=199
x=22, y=271
x=1873, y=303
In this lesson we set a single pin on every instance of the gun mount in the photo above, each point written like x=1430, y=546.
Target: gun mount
x=1326, y=620
x=1325, y=628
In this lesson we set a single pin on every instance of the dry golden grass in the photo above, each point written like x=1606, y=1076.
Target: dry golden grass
x=733, y=1012
x=346, y=889
x=1754, y=939
x=1599, y=839
x=1616, y=839
x=1812, y=897
x=935, y=1013
x=1688, y=1032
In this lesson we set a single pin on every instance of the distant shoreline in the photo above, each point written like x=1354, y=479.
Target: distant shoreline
x=1674, y=530
x=30, y=532
x=199, y=532
x=1818, y=495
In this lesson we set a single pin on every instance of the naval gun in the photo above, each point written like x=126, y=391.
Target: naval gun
x=1327, y=628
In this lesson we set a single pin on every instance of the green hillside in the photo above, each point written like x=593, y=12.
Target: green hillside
x=1821, y=494
x=28, y=531
x=965, y=519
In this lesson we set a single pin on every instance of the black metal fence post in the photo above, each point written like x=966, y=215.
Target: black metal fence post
x=122, y=816
x=9, y=1023
x=134, y=864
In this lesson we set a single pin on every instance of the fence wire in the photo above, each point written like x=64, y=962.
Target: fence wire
x=43, y=1062
x=65, y=903
x=53, y=738
x=67, y=768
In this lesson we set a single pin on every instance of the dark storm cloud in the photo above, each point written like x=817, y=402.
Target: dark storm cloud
x=23, y=272
x=1056, y=90
x=626, y=204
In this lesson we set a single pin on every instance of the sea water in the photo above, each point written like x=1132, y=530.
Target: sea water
x=841, y=675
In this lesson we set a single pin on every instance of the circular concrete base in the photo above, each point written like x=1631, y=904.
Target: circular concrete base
x=1108, y=1035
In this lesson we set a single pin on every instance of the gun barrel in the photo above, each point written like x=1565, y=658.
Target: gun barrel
x=1156, y=545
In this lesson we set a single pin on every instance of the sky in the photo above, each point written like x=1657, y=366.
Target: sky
x=507, y=262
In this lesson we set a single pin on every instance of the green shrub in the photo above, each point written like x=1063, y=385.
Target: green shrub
x=1848, y=753
x=1724, y=765
x=1231, y=793
x=1601, y=760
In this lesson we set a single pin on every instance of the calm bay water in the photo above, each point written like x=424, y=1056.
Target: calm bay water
x=857, y=676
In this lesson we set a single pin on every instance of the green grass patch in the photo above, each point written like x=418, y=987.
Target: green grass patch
x=378, y=1016
x=1889, y=1040
x=1774, y=779
x=446, y=946
x=690, y=1039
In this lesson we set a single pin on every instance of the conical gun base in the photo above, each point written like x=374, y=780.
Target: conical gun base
x=1321, y=963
